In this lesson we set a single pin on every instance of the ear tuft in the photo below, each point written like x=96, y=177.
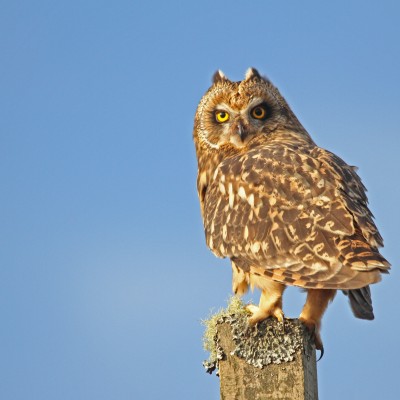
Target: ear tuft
x=252, y=73
x=219, y=76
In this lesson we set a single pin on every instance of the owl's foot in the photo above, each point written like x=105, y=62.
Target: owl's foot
x=259, y=314
x=313, y=310
x=270, y=303
x=314, y=329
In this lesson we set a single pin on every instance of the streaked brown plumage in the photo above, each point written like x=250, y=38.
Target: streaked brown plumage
x=285, y=211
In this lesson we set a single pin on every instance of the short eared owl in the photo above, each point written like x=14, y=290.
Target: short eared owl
x=285, y=211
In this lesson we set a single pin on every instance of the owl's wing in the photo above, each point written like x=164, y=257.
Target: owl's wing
x=297, y=216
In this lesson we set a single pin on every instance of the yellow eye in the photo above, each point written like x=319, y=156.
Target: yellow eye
x=259, y=112
x=221, y=116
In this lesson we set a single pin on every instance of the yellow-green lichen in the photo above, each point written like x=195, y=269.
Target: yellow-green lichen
x=235, y=307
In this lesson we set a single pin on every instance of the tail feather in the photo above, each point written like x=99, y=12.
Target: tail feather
x=361, y=302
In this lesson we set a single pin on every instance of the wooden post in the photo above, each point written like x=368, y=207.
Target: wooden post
x=272, y=361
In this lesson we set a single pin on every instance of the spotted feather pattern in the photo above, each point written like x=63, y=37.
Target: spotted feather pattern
x=296, y=214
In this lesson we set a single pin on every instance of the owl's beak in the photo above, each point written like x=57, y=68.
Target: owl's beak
x=241, y=131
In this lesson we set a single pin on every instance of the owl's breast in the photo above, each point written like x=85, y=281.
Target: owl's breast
x=253, y=195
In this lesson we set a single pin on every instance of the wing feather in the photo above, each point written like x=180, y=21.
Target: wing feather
x=294, y=212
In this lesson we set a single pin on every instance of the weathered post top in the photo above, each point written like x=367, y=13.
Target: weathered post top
x=273, y=360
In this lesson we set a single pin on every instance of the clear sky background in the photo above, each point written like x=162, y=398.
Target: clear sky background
x=104, y=271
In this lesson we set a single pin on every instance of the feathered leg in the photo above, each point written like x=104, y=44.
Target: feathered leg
x=240, y=283
x=311, y=315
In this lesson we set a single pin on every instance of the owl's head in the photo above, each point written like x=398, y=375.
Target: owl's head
x=238, y=114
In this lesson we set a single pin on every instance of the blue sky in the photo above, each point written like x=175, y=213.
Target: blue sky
x=104, y=274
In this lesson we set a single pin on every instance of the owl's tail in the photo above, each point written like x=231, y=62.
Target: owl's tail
x=361, y=302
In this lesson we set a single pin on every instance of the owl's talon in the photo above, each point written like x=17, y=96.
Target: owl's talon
x=314, y=330
x=278, y=314
x=322, y=352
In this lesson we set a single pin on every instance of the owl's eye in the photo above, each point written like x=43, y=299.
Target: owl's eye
x=221, y=116
x=259, y=112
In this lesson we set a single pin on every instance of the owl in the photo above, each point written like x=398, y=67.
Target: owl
x=283, y=210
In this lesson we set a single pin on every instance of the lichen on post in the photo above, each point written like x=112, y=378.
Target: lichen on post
x=270, y=361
